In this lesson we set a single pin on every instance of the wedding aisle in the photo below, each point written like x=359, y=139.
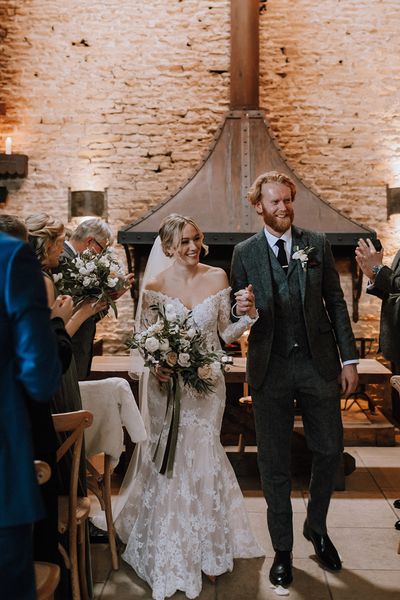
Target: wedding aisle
x=361, y=523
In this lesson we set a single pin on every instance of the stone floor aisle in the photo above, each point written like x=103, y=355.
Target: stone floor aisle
x=361, y=524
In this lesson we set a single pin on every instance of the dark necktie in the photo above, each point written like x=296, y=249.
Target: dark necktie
x=281, y=256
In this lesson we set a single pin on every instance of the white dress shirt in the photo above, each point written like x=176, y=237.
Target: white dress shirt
x=286, y=237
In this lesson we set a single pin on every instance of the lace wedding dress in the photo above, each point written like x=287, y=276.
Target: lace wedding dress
x=196, y=521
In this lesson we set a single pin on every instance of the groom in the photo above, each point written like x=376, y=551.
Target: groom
x=295, y=352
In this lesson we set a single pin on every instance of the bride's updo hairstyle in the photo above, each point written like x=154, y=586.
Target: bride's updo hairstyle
x=171, y=230
x=43, y=232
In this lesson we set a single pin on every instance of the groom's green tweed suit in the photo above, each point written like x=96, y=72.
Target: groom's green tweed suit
x=294, y=352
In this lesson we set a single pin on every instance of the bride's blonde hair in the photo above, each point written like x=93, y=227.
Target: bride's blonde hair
x=171, y=229
x=43, y=231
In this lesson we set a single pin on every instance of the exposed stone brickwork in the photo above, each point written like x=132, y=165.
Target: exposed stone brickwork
x=127, y=94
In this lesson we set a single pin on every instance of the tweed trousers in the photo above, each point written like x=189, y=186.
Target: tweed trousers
x=288, y=379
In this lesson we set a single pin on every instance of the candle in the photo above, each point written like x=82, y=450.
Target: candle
x=8, y=145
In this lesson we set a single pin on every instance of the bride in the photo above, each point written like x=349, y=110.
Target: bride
x=176, y=528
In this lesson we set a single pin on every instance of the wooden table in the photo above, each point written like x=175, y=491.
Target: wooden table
x=369, y=369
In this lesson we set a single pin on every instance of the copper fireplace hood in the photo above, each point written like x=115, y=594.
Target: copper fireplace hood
x=243, y=147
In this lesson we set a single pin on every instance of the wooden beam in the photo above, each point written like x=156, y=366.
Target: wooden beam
x=244, y=55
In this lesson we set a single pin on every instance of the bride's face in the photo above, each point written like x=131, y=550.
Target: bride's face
x=188, y=252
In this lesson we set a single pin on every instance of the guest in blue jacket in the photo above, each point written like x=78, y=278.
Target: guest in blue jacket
x=29, y=368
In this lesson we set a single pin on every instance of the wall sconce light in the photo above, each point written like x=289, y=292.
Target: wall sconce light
x=392, y=201
x=3, y=194
x=87, y=203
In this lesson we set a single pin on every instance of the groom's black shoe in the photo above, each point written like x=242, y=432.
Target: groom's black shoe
x=324, y=549
x=396, y=503
x=281, y=570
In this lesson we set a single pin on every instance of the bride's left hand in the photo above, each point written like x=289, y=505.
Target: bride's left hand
x=245, y=302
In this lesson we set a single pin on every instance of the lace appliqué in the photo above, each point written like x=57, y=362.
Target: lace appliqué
x=195, y=522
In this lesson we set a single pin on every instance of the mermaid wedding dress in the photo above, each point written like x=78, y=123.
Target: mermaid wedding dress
x=175, y=528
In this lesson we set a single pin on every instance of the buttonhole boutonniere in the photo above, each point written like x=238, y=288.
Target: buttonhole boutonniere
x=302, y=255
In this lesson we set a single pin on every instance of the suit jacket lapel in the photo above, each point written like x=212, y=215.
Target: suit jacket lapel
x=263, y=258
x=299, y=242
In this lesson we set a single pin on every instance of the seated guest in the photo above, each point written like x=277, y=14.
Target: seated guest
x=29, y=369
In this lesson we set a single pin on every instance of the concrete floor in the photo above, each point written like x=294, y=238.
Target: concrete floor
x=361, y=524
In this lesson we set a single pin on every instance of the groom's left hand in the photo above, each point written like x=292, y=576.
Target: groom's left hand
x=349, y=379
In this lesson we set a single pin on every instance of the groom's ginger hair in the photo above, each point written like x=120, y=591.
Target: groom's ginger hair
x=254, y=193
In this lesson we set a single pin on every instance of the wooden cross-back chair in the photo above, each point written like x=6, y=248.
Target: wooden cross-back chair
x=73, y=510
x=47, y=575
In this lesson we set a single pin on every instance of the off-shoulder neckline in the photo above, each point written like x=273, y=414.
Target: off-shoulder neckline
x=210, y=297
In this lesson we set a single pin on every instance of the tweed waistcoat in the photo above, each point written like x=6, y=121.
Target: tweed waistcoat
x=289, y=330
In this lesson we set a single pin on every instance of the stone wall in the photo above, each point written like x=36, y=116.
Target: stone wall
x=126, y=94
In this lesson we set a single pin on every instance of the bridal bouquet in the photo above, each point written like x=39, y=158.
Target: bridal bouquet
x=174, y=343
x=91, y=275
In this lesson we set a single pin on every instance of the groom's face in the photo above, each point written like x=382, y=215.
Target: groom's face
x=276, y=207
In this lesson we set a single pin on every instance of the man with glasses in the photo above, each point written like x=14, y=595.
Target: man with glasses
x=95, y=235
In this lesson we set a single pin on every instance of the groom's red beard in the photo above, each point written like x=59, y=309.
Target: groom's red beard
x=279, y=224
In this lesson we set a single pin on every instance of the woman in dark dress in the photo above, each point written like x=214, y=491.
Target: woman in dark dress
x=46, y=236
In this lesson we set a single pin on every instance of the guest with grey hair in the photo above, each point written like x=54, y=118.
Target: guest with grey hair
x=95, y=235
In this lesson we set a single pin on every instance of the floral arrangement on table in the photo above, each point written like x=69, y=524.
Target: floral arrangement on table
x=174, y=343
x=91, y=275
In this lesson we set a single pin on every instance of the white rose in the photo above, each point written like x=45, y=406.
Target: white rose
x=184, y=359
x=57, y=277
x=191, y=332
x=185, y=344
x=78, y=263
x=90, y=266
x=112, y=282
x=103, y=260
x=158, y=327
x=215, y=368
x=164, y=345
x=87, y=281
x=83, y=271
x=170, y=313
x=152, y=344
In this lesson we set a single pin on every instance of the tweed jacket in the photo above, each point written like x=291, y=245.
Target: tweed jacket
x=386, y=286
x=326, y=318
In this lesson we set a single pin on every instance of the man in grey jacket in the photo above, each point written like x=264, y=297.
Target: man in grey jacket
x=295, y=352
x=384, y=282
x=95, y=235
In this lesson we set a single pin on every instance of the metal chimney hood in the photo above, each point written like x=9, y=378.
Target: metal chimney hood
x=243, y=147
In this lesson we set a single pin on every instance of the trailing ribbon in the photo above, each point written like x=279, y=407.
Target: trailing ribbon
x=164, y=455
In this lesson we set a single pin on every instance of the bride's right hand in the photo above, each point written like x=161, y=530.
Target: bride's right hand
x=163, y=374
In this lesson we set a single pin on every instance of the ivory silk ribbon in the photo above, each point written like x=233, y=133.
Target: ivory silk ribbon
x=164, y=455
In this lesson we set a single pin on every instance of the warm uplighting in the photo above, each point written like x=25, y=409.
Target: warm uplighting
x=83, y=204
x=392, y=200
x=8, y=145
